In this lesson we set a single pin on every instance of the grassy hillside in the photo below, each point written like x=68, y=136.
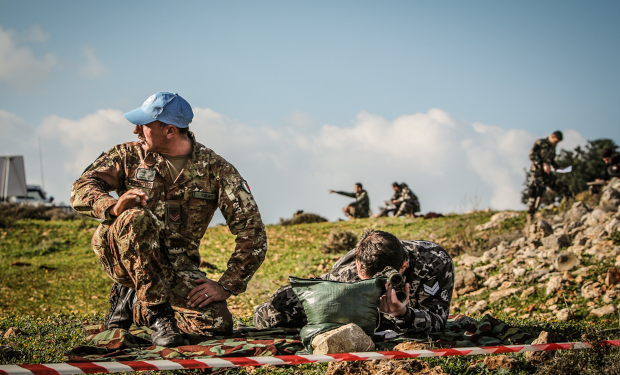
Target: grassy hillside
x=51, y=283
x=49, y=266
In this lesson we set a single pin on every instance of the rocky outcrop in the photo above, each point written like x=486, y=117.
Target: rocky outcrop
x=567, y=258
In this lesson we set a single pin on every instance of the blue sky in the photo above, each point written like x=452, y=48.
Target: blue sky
x=310, y=72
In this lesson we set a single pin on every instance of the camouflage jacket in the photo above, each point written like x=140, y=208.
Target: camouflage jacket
x=430, y=275
x=613, y=170
x=406, y=195
x=206, y=183
x=542, y=152
x=361, y=199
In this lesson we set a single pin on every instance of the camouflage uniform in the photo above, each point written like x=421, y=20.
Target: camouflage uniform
x=408, y=203
x=542, y=152
x=155, y=249
x=613, y=170
x=430, y=275
x=358, y=209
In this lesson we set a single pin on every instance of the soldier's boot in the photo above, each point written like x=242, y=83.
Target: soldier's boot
x=164, y=325
x=122, y=300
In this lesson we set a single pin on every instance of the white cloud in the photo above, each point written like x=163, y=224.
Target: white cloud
x=18, y=65
x=444, y=160
x=93, y=67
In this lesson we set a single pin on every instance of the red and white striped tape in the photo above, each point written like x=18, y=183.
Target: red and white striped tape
x=181, y=364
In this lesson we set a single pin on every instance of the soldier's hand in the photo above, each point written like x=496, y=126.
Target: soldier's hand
x=389, y=303
x=132, y=198
x=206, y=292
x=546, y=168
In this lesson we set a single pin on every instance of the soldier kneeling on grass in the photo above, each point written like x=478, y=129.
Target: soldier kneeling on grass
x=427, y=268
x=168, y=188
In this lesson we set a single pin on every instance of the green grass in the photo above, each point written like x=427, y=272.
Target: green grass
x=51, y=283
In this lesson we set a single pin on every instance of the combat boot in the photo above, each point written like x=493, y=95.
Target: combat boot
x=164, y=325
x=122, y=300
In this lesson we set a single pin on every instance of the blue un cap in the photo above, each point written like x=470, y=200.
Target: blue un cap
x=164, y=106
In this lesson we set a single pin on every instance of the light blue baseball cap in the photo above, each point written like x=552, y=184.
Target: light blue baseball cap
x=166, y=107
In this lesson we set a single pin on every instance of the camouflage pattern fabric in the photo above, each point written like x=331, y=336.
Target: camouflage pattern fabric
x=360, y=208
x=430, y=274
x=613, y=170
x=543, y=152
x=155, y=249
x=135, y=344
x=408, y=203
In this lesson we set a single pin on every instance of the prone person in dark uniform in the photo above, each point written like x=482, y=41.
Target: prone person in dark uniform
x=427, y=269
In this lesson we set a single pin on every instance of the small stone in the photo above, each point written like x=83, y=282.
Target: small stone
x=409, y=345
x=556, y=242
x=6, y=351
x=602, y=311
x=465, y=281
x=543, y=338
x=612, y=294
x=565, y=314
x=612, y=277
x=499, y=361
x=591, y=290
x=527, y=292
x=12, y=332
x=496, y=296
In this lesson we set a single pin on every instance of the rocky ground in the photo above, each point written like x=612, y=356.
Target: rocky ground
x=564, y=266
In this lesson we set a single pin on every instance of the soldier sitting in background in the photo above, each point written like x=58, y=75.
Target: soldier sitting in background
x=403, y=202
x=361, y=207
x=429, y=277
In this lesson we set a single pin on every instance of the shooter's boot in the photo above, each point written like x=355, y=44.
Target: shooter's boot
x=164, y=325
x=122, y=300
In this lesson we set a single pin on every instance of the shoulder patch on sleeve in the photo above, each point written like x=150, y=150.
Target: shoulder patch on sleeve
x=245, y=187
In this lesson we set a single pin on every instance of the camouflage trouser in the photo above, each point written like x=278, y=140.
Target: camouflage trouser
x=354, y=212
x=406, y=208
x=282, y=310
x=129, y=251
x=538, y=184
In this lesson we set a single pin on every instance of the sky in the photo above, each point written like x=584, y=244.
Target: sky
x=303, y=97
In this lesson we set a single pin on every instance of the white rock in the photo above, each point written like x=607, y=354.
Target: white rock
x=602, y=311
x=591, y=290
x=345, y=339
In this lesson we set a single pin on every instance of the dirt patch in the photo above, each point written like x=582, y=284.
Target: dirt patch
x=383, y=367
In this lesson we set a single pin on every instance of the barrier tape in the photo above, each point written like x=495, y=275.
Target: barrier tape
x=184, y=364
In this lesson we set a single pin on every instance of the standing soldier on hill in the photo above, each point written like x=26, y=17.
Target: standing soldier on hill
x=542, y=177
x=361, y=207
x=169, y=186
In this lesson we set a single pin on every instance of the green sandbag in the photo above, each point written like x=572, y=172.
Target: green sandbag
x=331, y=304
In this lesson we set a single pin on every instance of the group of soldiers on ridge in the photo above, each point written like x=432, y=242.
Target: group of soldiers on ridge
x=402, y=203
